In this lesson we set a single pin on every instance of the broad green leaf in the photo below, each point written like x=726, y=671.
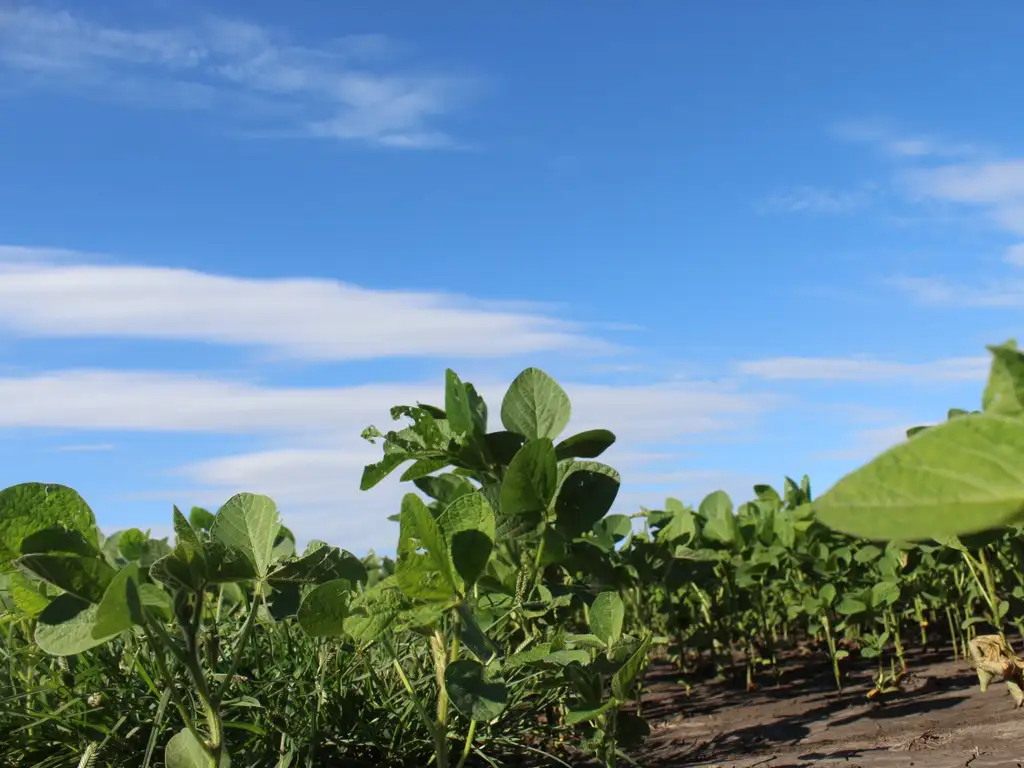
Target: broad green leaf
x=121, y=606
x=477, y=409
x=531, y=479
x=586, y=494
x=324, y=610
x=65, y=627
x=625, y=677
x=613, y=528
x=31, y=507
x=424, y=568
x=467, y=525
x=54, y=540
x=201, y=519
x=631, y=730
x=372, y=612
x=607, y=613
x=474, y=690
x=321, y=565
x=585, y=445
x=184, y=751
x=423, y=467
x=535, y=406
x=85, y=577
x=248, y=523
x=827, y=593
x=720, y=522
x=374, y=473
x=849, y=606
x=576, y=716
x=456, y=404
x=1004, y=392
x=962, y=476
x=679, y=523
x=29, y=596
x=445, y=488
x=157, y=601
x=504, y=445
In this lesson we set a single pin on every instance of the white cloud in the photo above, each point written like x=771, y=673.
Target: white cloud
x=85, y=448
x=313, y=318
x=808, y=199
x=899, y=144
x=864, y=369
x=314, y=476
x=868, y=443
x=1014, y=255
x=943, y=292
x=996, y=187
x=334, y=90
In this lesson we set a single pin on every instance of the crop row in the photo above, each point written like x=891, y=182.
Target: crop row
x=519, y=615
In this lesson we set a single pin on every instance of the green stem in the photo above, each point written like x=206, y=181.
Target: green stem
x=469, y=744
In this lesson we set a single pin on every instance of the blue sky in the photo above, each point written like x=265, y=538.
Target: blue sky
x=753, y=239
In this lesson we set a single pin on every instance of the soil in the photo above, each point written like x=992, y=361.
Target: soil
x=940, y=719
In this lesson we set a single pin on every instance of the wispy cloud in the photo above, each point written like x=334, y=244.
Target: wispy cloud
x=344, y=89
x=864, y=369
x=997, y=188
x=314, y=319
x=954, y=293
x=85, y=448
x=902, y=144
x=314, y=467
x=868, y=443
x=809, y=199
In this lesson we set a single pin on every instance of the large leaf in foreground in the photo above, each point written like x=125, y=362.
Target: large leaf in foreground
x=473, y=691
x=535, y=406
x=185, y=751
x=248, y=523
x=962, y=476
x=31, y=507
x=66, y=627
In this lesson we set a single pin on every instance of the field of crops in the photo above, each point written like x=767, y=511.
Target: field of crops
x=521, y=623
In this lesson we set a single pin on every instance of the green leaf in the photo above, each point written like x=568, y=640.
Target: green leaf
x=720, y=522
x=585, y=445
x=29, y=596
x=324, y=610
x=121, y=606
x=323, y=564
x=201, y=519
x=468, y=528
x=185, y=751
x=248, y=523
x=1004, y=392
x=623, y=680
x=372, y=612
x=535, y=406
x=58, y=540
x=424, y=568
x=586, y=494
x=962, y=476
x=504, y=445
x=31, y=507
x=85, y=577
x=422, y=468
x=607, y=613
x=374, y=473
x=475, y=691
x=678, y=523
x=531, y=479
x=849, y=606
x=456, y=404
x=576, y=716
x=65, y=627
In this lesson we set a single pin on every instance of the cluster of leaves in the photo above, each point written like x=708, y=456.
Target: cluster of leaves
x=518, y=615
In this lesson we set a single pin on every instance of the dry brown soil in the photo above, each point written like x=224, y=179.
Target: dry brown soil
x=940, y=720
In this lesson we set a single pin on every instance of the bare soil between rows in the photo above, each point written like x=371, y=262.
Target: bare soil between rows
x=940, y=719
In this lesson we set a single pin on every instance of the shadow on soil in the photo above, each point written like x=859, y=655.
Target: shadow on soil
x=737, y=723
